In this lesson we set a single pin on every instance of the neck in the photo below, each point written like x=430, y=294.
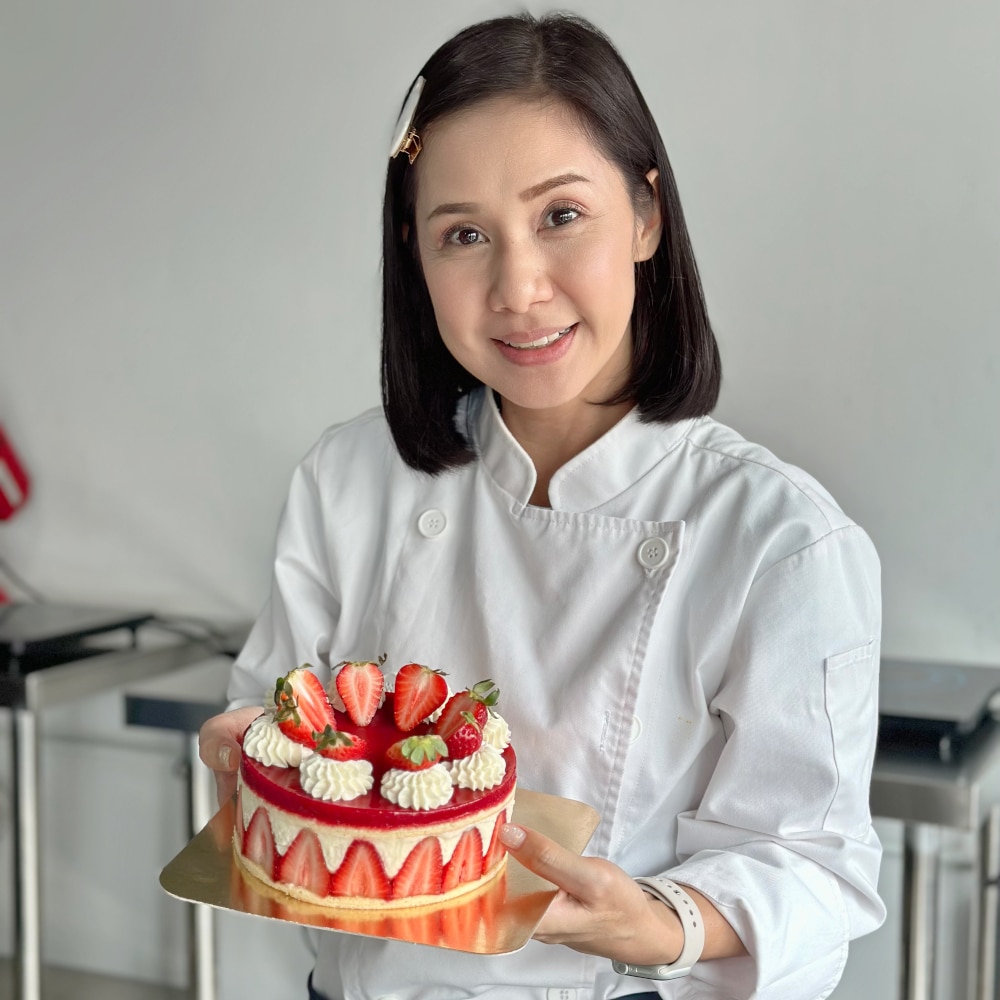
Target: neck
x=552, y=437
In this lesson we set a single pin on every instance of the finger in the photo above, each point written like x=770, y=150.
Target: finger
x=546, y=858
x=225, y=786
x=218, y=740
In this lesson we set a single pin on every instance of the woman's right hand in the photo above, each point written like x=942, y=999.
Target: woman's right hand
x=219, y=747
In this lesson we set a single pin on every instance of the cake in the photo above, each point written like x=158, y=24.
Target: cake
x=368, y=799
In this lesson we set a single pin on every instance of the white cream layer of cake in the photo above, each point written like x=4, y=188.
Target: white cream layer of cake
x=393, y=846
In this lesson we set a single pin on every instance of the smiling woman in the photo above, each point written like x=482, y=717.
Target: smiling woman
x=530, y=121
x=531, y=273
x=677, y=618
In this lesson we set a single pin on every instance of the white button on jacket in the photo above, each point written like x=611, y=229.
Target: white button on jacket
x=653, y=553
x=683, y=576
x=431, y=523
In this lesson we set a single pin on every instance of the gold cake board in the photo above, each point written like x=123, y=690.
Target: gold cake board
x=495, y=919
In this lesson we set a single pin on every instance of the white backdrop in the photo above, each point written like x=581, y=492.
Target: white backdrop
x=190, y=257
x=189, y=235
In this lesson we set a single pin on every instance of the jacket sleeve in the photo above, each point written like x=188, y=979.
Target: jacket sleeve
x=782, y=840
x=297, y=623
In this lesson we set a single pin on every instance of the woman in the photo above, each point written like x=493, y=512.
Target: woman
x=685, y=630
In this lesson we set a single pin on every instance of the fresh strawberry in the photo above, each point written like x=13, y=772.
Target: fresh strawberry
x=302, y=705
x=258, y=842
x=466, y=864
x=360, y=684
x=465, y=740
x=421, y=871
x=303, y=865
x=419, y=692
x=473, y=703
x=239, y=816
x=339, y=746
x=360, y=873
x=416, y=753
x=496, y=850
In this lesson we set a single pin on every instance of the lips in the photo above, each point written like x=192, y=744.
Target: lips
x=543, y=341
x=540, y=347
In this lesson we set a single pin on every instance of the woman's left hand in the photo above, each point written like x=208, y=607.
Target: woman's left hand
x=599, y=909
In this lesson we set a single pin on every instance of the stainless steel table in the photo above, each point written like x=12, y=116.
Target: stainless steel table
x=929, y=795
x=27, y=688
x=182, y=701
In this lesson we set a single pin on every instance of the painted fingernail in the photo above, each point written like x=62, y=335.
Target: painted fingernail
x=225, y=752
x=512, y=836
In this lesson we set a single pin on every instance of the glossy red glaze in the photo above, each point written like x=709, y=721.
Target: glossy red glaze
x=280, y=785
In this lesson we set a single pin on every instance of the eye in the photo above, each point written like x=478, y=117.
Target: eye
x=561, y=216
x=464, y=236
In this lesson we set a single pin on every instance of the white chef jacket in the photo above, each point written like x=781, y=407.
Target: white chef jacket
x=687, y=640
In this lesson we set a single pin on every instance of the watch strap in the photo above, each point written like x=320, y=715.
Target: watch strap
x=674, y=895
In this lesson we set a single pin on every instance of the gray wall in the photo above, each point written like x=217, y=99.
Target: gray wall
x=188, y=295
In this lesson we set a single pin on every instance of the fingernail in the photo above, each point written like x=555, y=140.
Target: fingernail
x=512, y=836
x=225, y=752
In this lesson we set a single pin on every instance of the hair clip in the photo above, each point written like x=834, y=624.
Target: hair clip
x=405, y=137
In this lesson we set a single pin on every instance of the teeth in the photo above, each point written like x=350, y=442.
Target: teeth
x=542, y=341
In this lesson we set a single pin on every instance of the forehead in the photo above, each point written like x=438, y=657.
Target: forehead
x=504, y=142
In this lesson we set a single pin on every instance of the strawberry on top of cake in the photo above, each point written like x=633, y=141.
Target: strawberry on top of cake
x=445, y=740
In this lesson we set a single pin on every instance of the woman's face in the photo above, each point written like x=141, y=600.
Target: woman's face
x=528, y=238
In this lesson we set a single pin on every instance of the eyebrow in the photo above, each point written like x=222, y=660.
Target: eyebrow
x=530, y=194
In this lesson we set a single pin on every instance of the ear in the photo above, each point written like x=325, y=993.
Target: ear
x=649, y=224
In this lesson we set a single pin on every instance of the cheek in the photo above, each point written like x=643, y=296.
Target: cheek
x=603, y=273
x=449, y=294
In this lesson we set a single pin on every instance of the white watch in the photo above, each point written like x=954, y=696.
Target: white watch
x=677, y=899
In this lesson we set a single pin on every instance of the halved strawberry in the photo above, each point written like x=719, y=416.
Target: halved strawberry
x=303, y=865
x=476, y=701
x=421, y=872
x=340, y=746
x=496, y=851
x=416, y=753
x=466, y=864
x=465, y=740
x=360, y=873
x=239, y=816
x=258, y=842
x=419, y=692
x=360, y=684
x=302, y=705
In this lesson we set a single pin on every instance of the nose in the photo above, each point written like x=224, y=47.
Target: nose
x=519, y=278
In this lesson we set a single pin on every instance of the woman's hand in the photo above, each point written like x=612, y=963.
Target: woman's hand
x=600, y=910
x=219, y=748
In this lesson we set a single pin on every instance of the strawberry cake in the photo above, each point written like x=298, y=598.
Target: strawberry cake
x=365, y=798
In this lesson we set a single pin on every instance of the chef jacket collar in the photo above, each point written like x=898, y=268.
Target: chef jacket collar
x=588, y=480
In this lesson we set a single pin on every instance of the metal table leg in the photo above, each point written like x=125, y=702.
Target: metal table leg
x=202, y=792
x=921, y=866
x=27, y=910
x=987, y=967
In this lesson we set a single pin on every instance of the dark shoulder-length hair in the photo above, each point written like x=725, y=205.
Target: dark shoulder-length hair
x=676, y=369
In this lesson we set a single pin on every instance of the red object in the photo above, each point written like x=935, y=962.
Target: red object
x=14, y=483
x=281, y=787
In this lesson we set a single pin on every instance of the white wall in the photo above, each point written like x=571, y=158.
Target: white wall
x=189, y=229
